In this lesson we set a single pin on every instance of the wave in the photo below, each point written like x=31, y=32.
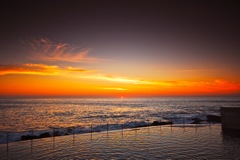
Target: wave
x=6, y=137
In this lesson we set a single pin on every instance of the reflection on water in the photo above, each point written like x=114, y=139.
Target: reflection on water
x=18, y=115
x=157, y=142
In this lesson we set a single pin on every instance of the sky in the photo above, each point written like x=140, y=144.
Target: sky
x=113, y=48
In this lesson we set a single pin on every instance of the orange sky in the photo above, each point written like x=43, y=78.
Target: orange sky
x=52, y=80
x=50, y=77
x=119, y=48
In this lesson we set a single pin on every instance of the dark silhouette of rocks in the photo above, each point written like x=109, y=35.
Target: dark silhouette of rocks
x=44, y=135
x=196, y=120
x=156, y=123
x=28, y=137
x=70, y=130
x=56, y=133
x=214, y=118
x=166, y=123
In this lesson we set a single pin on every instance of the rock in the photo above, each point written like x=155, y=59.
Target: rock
x=44, y=135
x=155, y=123
x=70, y=130
x=166, y=123
x=28, y=137
x=214, y=118
x=196, y=121
x=56, y=133
x=142, y=125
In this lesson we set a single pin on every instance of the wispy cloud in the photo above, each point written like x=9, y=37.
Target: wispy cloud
x=210, y=85
x=193, y=70
x=225, y=85
x=47, y=50
x=38, y=69
x=129, y=80
x=116, y=89
x=74, y=69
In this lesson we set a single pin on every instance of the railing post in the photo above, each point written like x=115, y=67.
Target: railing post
x=107, y=127
x=160, y=125
x=136, y=128
x=73, y=134
x=148, y=123
x=31, y=140
x=183, y=122
x=91, y=128
x=7, y=139
x=122, y=129
x=53, y=134
x=32, y=133
x=196, y=127
x=91, y=131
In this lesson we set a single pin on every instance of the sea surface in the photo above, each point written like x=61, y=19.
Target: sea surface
x=24, y=116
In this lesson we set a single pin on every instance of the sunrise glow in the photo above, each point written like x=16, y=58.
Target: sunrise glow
x=126, y=52
x=51, y=76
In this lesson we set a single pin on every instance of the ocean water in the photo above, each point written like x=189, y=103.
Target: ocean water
x=80, y=115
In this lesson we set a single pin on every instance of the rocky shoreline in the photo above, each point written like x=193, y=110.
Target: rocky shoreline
x=210, y=119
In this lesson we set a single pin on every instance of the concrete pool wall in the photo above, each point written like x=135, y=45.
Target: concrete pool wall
x=230, y=117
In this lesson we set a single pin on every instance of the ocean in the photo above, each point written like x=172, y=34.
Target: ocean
x=24, y=116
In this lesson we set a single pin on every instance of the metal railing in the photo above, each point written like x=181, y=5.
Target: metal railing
x=31, y=134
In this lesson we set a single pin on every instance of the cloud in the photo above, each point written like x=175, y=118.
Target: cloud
x=129, y=80
x=111, y=78
x=217, y=85
x=113, y=88
x=38, y=69
x=45, y=50
x=226, y=85
x=211, y=85
x=73, y=69
x=193, y=70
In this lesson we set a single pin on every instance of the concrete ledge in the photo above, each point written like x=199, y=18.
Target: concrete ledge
x=230, y=117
